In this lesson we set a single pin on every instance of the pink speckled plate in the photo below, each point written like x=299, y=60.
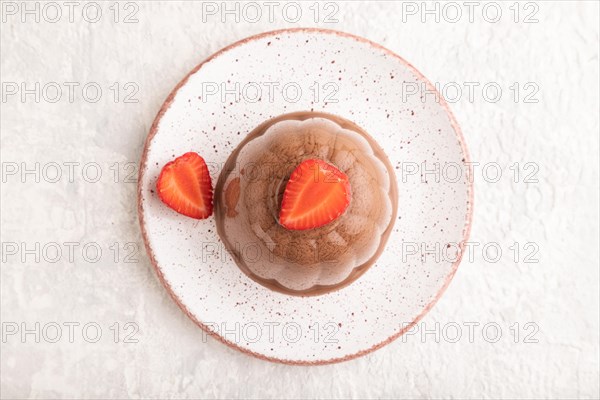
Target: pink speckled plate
x=293, y=70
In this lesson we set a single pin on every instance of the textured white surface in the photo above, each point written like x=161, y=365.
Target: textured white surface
x=559, y=213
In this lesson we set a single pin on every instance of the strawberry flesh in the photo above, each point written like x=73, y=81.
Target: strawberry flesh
x=185, y=186
x=316, y=194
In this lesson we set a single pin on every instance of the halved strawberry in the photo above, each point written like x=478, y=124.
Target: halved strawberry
x=316, y=194
x=184, y=185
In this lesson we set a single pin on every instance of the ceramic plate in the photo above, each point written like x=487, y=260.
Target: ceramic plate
x=274, y=73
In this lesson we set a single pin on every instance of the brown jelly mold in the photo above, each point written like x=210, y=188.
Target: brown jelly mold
x=250, y=189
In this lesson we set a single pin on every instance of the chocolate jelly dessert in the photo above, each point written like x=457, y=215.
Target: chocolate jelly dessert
x=250, y=192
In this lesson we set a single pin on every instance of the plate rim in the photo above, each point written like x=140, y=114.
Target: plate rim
x=466, y=228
